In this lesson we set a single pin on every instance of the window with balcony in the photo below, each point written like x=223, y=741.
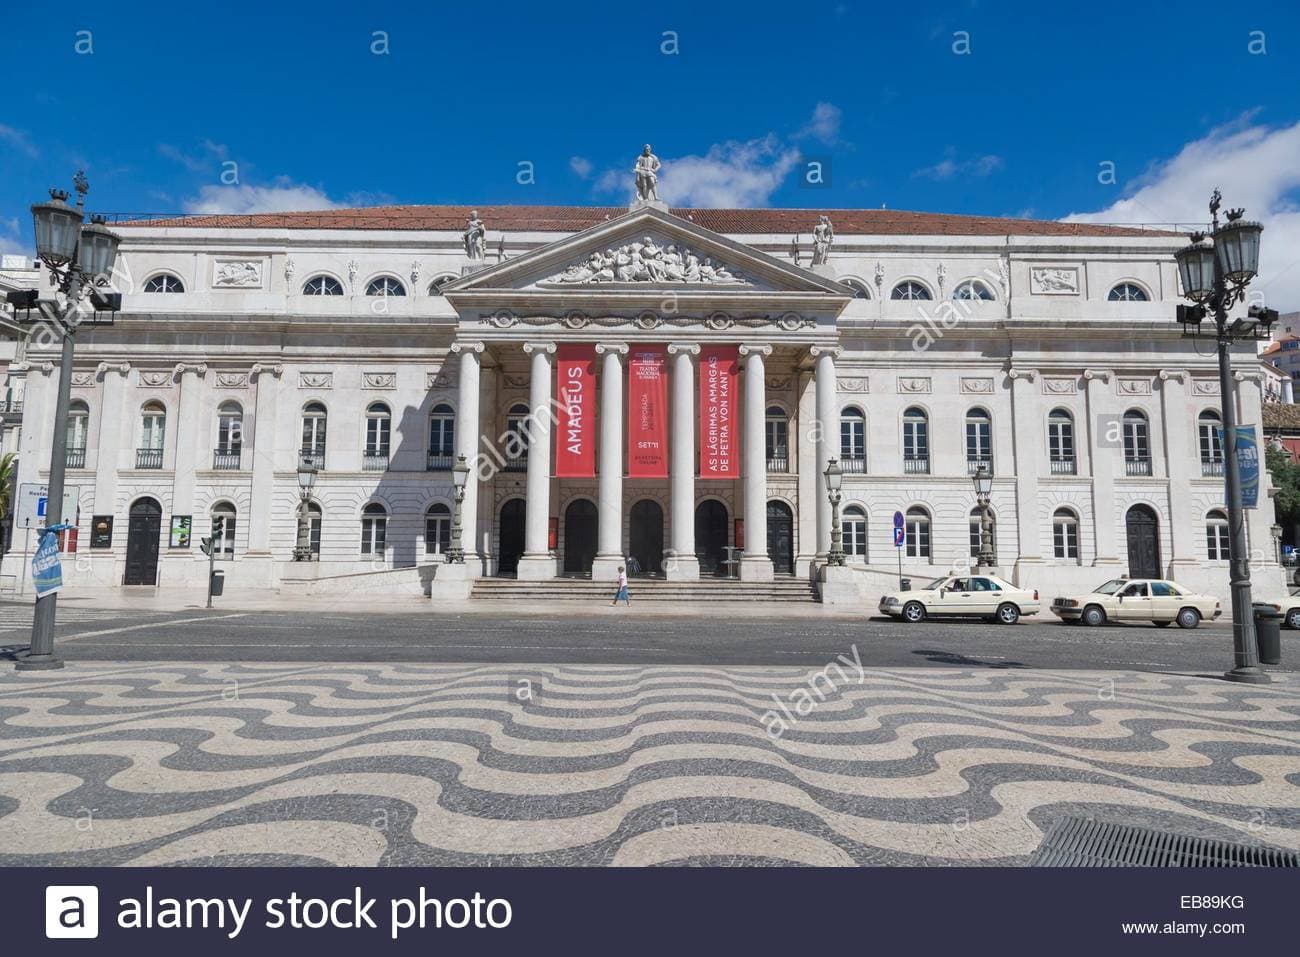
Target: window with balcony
x=78, y=429
x=516, y=444
x=1060, y=442
x=916, y=442
x=442, y=438
x=979, y=441
x=314, y=419
x=230, y=436
x=379, y=422
x=1137, y=443
x=1209, y=426
x=853, y=440
x=777, y=439
x=153, y=429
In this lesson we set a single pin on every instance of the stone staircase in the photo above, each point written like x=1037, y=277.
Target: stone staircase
x=645, y=589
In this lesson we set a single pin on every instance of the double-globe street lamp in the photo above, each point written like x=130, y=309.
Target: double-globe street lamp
x=983, y=480
x=1214, y=277
x=80, y=257
x=834, y=477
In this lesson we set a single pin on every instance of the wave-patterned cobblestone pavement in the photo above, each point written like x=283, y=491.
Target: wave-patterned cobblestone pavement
x=454, y=764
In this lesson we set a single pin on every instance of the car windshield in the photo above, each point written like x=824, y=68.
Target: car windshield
x=1110, y=587
x=937, y=584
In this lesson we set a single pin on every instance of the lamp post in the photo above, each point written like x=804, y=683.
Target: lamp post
x=834, y=476
x=1214, y=278
x=77, y=255
x=983, y=480
x=306, y=480
x=459, y=477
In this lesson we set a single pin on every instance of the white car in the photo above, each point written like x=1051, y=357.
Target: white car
x=974, y=596
x=1157, y=600
x=1288, y=606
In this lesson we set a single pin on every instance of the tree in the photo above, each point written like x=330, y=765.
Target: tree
x=8, y=475
x=1286, y=500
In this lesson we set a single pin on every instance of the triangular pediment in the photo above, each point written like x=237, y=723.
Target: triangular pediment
x=651, y=252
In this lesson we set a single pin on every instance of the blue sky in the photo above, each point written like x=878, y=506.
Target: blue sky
x=1023, y=124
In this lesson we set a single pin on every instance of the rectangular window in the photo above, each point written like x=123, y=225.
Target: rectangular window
x=1065, y=539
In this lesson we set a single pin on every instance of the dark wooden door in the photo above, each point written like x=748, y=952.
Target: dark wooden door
x=511, y=537
x=579, y=537
x=711, y=537
x=1143, y=543
x=647, y=536
x=780, y=537
x=143, y=533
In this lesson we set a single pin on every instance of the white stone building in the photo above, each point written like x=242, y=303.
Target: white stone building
x=925, y=345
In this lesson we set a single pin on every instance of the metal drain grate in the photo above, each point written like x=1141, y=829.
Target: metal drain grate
x=1078, y=842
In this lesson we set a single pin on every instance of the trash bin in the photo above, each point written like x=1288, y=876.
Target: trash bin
x=905, y=584
x=1268, y=634
x=218, y=583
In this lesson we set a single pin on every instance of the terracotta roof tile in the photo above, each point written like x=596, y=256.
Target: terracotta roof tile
x=887, y=222
x=1278, y=415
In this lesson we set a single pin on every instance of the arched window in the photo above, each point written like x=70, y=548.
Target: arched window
x=442, y=437
x=314, y=418
x=916, y=533
x=1216, y=536
x=322, y=286
x=973, y=289
x=916, y=442
x=379, y=422
x=164, y=282
x=516, y=444
x=78, y=429
x=223, y=531
x=860, y=290
x=230, y=436
x=313, y=529
x=778, y=439
x=979, y=441
x=977, y=535
x=1208, y=425
x=374, y=530
x=153, y=432
x=1065, y=534
x=853, y=440
x=437, y=529
x=855, y=533
x=1060, y=442
x=1137, y=443
x=436, y=287
x=385, y=286
x=1127, y=292
x=909, y=289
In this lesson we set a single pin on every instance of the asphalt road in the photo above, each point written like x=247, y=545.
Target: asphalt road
x=91, y=635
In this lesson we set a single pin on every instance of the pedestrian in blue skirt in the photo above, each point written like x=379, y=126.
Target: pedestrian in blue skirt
x=622, y=587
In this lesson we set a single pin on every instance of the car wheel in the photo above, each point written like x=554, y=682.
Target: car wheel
x=1008, y=613
x=1189, y=618
x=1293, y=618
x=914, y=611
x=1093, y=615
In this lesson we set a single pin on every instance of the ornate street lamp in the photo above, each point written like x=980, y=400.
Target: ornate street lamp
x=1214, y=278
x=983, y=480
x=306, y=481
x=459, y=478
x=834, y=476
x=77, y=256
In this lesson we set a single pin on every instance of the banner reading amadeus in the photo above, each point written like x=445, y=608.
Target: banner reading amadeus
x=718, y=372
x=575, y=441
x=647, y=437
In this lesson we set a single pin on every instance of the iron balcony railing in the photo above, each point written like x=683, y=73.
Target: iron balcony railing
x=1064, y=465
x=916, y=464
x=778, y=462
x=76, y=458
x=374, y=462
x=855, y=463
x=226, y=460
x=1211, y=466
x=973, y=465
x=312, y=458
x=516, y=463
x=11, y=406
x=148, y=458
x=1137, y=465
x=440, y=461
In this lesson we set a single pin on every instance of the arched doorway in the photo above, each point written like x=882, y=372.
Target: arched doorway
x=143, y=533
x=647, y=536
x=780, y=537
x=579, y=537
x=1143, y=531
x=711, y=537
x=510, y=540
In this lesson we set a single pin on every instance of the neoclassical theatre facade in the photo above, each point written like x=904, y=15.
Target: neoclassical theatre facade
x=652, y=387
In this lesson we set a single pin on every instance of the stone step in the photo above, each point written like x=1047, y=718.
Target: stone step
x=720, y=590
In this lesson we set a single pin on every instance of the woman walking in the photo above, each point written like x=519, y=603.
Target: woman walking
x=622, y=588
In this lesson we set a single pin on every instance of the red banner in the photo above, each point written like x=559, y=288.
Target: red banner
x=575, y=437
x=719, y=456
x=647, y=410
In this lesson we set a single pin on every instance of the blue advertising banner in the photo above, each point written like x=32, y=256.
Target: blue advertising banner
x=47, y=570
x=1247, y=464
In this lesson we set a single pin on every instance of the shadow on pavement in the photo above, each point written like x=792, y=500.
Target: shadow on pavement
x=964, y=661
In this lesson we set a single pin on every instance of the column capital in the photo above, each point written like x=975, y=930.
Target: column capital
x=199, y=369
x=104, y=368
x=614, y=348
x=545, y=348
x=1248, y=375
x=274, y=368
x=1105, y=375
x=683, y=348
x=1181, y=375
x=818, y=351
x=1029, y=375
x=46, y=367
x=755, y=348
x=467, y=346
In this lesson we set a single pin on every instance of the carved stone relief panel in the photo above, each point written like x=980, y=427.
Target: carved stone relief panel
x=1133, y=386
x=315, y=380
x=232, y=380
x=237, y=273
x=977, y=386
x=379, y=380
x=155, y=378
x=913, y=385
x=1054, y=280
x=1060, y=386
x=853, y=384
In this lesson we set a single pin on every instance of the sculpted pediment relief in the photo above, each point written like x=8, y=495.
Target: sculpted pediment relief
x=647, y=260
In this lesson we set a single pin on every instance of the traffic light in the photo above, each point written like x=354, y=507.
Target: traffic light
x=206, y=545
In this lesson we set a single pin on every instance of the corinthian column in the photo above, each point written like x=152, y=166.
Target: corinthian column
x=755, y=564
x=466, y=435
x=536, y=563
x=828, y=430
x=609, y=552
x=682, y=563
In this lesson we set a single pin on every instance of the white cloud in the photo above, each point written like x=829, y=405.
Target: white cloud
x=949, y=167
x=1257, y=167
x=824, y=125
x=282, y=197
x=580, y=165
x=19, y=140
x=729, y=174
x=11, y=241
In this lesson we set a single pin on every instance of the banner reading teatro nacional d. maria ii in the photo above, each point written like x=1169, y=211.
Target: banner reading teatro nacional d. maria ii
x=575, y=437
x=647, y=410
x=719, y=457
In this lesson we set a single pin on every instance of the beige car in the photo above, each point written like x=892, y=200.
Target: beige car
x=973, y=596
x=1288, y=606
x=1126, y=600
